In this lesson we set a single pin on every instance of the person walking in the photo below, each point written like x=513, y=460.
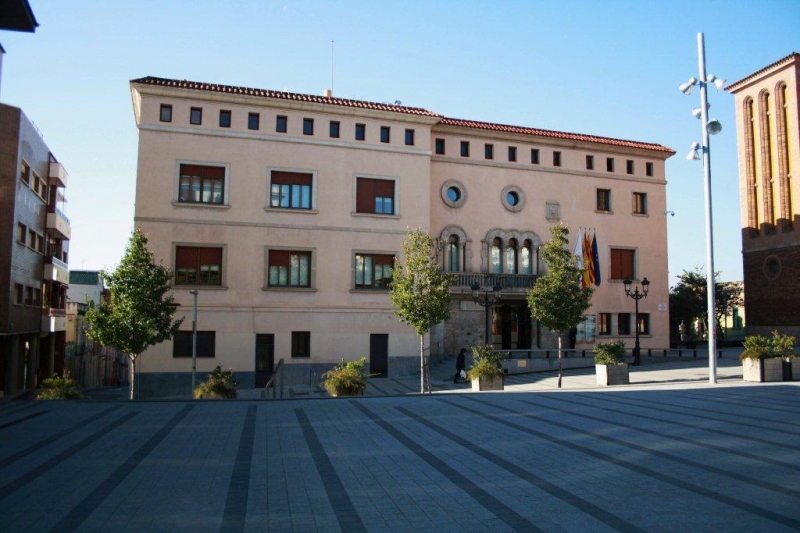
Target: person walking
x=460, y=364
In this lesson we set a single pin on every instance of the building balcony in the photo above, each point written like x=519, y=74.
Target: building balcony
x=58, y=222
x=511, y=283
x=58, y=175
x=54, y=320
x=56, y=270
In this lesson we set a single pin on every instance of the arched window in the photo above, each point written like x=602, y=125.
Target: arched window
x=511, y=257
x=750, y=163
x=495, y=259
x=526, y=258
x=453, y=253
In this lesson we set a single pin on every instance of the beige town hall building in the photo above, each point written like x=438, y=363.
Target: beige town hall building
x=285, y=212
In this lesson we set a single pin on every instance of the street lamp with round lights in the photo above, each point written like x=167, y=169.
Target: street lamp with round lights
x=636, y=295
x=486, y=298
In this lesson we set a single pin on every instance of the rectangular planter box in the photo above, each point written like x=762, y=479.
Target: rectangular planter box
x=487, y=384
x=612, y=374
x=761, y=370
x=795, y=362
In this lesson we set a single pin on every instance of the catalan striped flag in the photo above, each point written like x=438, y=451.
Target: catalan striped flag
x=588, y=261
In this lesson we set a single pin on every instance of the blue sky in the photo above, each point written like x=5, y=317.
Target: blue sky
x=604, y=68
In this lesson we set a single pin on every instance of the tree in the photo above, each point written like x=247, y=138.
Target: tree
x=140, y=312
x=420, y=291
x=688, y=301
x=557, y=299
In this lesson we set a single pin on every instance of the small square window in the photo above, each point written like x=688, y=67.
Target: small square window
x=301, y=344
x=385, y=131
x=488, y=151
x=512, y=153
x=224, y=119
x=166, y=113
x=253, y=120
x=361, y=132
x=648, y=169
x=196, y=116
x=409, y=137
x=603, y=200
x=556, y=159
x=334, y=129
x=589, y=162
x=629, y=166
x=439, y=146
x=534, y=156
x=464, y=148
x=640, y=203
x=281, y=124
x=610, y=164
x=308, y=126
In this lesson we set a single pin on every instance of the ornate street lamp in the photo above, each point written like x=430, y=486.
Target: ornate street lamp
x=636, y=295
x=486, y=300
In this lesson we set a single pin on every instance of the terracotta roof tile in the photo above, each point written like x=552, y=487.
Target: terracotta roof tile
x=265, y=93
x=732, y=87
x=553, y=134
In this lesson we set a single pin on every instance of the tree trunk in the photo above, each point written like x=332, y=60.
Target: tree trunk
x=559, y=360
x=133, y=376
x=422, y=364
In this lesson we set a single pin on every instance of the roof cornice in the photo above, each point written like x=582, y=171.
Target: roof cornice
x=794, y=57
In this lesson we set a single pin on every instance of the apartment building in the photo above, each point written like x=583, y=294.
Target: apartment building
x=34, y=246
x=286, y=211
x=768, y=137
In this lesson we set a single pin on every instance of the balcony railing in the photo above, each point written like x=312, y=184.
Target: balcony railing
x=507, y=281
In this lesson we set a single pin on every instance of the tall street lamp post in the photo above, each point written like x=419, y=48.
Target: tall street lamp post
x=194, y=342
x=486, y=300
x=708, y=127
x=636, y=295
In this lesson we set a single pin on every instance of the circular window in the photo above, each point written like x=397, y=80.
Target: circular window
x=772, y=267
x=454, y=193
x=513, y=198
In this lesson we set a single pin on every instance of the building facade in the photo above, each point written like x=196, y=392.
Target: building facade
x=34, y=246
x=768, y=135
x=286, y=212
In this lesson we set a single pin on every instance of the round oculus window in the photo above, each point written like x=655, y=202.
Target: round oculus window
x=513, y=198
x=772, y=267
x=453, y=193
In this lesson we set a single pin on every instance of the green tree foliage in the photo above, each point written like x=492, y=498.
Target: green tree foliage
x=140, y=312
x=420, y=291
x=688, y=301
x=557, y=300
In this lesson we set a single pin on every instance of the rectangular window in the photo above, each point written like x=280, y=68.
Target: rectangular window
x=22, y=233
x=589, y=162
x=439, y=146
x=556, y=159
x=19, y=294
x=39, y=186
x=25, y=173
x=281, y=124
x=604, y=324
x=196, y=116
x=373, y=271
x=644, y=324
x=301, y=344
x=308, y=126
x=512, y=153
x=534, y=156
x=640, y=203
x=224, y=119
x=201, y=184
x=385, y=132
x=29, y=296
x=37, y=297
x=253, y=121
x=375, y=196
x=40, y=244
x=32, y=239
x=488, y=151
x=464, y=148
x=334, y=129
x=361, y=132
x=648, y=169
x=409, y=137
x=290, y=190
x=603, y=200
x=183, y=340
x=622, y=264
x=195, y=265
x=629, y=166
x=166, y=113
x=289, y=269
x=610, y=164
x=624, y=324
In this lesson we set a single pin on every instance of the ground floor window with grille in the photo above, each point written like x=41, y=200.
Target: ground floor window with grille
x=289, y=268
x=374, y=271
x=604, y=324
x=644, y=324
x=196, y=265
x=182, y=344
x=624, y=324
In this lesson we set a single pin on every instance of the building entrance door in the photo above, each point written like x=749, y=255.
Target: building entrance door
x=515, y=326
x=265, y=358
x=379, y=354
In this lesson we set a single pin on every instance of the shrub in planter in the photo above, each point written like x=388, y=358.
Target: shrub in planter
x=609, y=353
x=220, y=384
x=59, y=388
x=486, y=372
x=346, y=378
x=760, y=359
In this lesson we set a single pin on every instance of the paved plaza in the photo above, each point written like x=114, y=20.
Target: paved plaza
x=667, y=453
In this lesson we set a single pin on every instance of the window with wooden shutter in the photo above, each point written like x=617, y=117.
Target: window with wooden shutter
x=375, y=196
x=622, y=264
x=196, y=265
x=290, y=190
x=202, y=184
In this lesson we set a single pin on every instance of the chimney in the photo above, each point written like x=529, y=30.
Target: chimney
x=327, y=93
